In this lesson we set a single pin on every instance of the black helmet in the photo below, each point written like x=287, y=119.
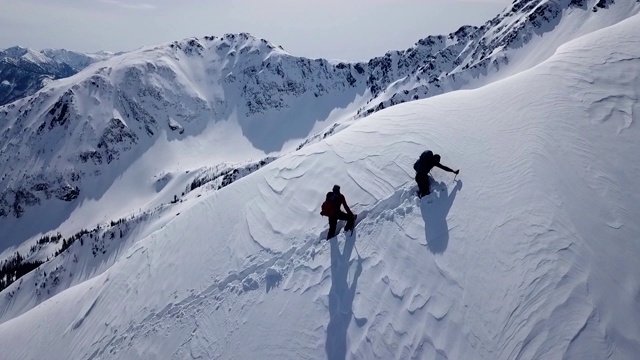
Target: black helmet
x=426, y=154
x=336, y=189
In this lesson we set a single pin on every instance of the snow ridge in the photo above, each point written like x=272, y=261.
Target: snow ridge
x=438, y=64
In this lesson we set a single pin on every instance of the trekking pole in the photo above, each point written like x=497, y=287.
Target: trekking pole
x=356, y=249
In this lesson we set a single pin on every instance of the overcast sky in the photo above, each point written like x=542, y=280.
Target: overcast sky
x=334, y=29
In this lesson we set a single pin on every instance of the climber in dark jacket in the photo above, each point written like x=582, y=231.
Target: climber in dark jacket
x=427, y=161
x=331, y=209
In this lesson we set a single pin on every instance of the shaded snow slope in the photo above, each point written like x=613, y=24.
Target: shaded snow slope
x=531, y=254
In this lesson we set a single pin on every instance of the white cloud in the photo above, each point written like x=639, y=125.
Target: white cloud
x=135, y=5
x=334, y=29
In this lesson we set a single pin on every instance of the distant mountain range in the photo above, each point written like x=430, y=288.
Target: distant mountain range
x=24, y=71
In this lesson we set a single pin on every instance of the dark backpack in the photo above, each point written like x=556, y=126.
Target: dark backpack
x=425, y=158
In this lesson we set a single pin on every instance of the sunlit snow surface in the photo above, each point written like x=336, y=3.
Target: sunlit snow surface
x=531, y=253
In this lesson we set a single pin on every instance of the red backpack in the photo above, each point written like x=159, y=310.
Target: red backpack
x=329, y=205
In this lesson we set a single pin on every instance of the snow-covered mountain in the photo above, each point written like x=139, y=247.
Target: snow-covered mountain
x=474, y=56
x=89, y=128
x=189, y=226
x=24, y=71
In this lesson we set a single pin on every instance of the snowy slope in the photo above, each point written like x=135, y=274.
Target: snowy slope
x=530, y=255
x=80, y=147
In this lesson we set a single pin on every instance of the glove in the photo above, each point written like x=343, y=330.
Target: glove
x=457, y=172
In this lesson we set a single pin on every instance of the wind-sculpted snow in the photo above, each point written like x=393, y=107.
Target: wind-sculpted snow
x=530, y=253
x=70, y=253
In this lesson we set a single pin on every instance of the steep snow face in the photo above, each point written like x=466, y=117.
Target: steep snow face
x=523, y=35
x=24, y=71
x=530, y=254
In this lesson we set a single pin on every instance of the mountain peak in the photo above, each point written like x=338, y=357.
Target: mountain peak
x=230, y=43
x=15, y=52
